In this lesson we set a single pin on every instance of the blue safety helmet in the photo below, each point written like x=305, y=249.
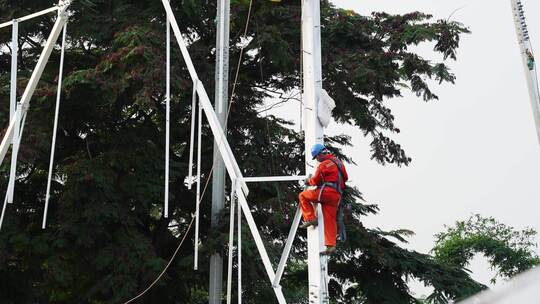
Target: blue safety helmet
x=317, y=149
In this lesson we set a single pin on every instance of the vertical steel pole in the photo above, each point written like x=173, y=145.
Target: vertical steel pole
x=14, y=66
x=239, y=258
x=231, y=243
x=198, y=196
x=192, y=135
x=314, y=133
x=221, y=107
x=167, y=117
x=13, y=106
x=14, y=154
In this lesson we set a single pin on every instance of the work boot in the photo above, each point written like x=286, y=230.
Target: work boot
x=308, y=224
x=329, y=250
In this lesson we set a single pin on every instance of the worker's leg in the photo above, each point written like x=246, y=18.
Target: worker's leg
x=330, y=203
x=306, y=198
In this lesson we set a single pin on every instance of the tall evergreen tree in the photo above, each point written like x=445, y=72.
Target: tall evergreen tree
x=107, y=239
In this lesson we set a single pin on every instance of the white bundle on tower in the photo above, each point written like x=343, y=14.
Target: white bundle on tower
x=325, y=108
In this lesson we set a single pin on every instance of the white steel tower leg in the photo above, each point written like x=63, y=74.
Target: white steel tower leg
x=314, y=133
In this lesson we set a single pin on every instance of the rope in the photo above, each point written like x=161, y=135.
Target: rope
x=239, y=62
x=209, y=175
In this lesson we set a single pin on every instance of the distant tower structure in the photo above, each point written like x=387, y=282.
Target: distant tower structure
x=528, y=60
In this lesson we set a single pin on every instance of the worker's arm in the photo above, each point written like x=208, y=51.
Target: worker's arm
x=345, y=174
x=316, y=179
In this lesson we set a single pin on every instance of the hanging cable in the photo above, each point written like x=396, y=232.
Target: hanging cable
x=55, y=127
x=239, y=62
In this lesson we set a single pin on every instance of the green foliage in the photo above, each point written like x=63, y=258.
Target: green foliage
x=106, y=239
x=509, y=251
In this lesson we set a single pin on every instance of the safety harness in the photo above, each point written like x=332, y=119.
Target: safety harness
x=337, y=186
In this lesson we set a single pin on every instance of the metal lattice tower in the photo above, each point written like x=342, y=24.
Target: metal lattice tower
x=314, y=133
x=529, y=64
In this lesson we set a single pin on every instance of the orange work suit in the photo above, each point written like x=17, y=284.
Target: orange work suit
x=327, y=172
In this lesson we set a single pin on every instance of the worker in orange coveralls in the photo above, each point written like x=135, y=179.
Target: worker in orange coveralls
x=330, y=179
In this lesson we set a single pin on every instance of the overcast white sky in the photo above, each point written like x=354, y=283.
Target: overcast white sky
x=475, y=150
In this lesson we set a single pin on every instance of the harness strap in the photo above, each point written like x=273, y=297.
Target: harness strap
x=321, y=192
x=340, y=175
x=335, y=186
x=340, y=214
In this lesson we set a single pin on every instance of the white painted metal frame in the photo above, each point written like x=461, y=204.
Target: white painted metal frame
x=36, y=75
x=530, y=74
x=226, y=152
x=14, y=155
x=15, y=126
x=31, y=16
x=313, y=72
x=225, y=149
x=288, y=247
x=192, y=135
